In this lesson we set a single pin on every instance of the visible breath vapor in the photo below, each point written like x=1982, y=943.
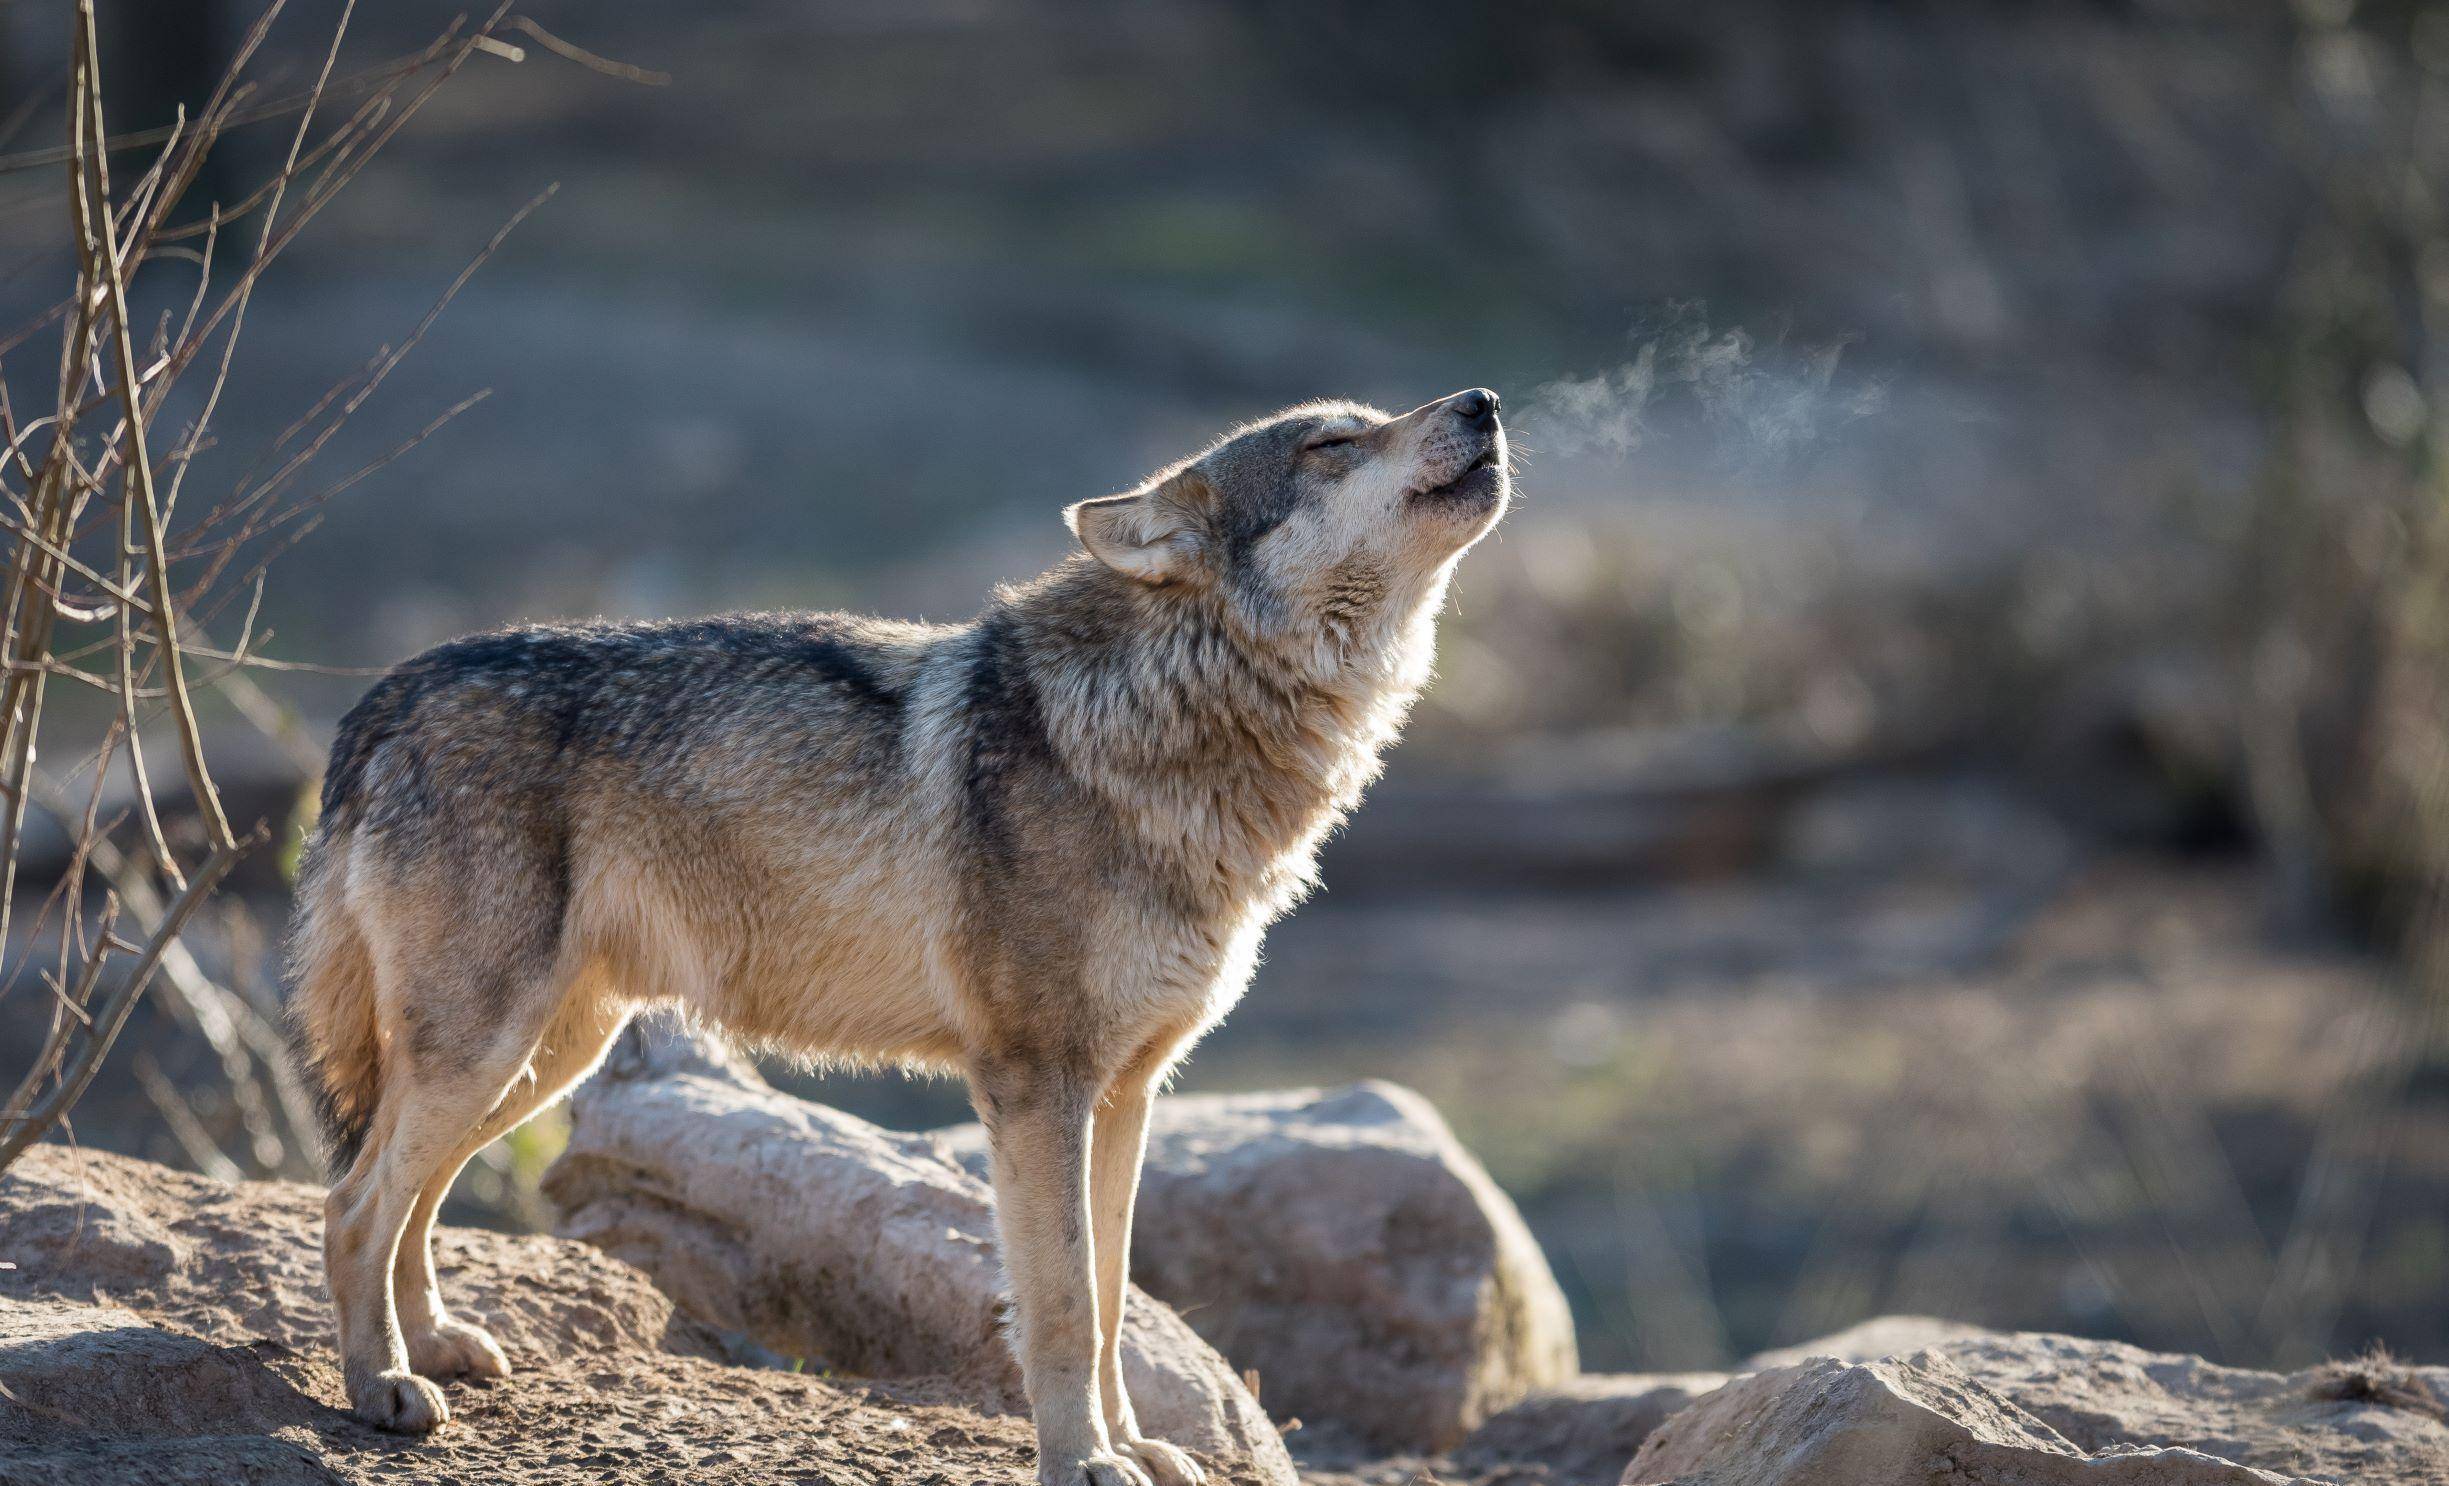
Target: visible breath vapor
x=1760, y=405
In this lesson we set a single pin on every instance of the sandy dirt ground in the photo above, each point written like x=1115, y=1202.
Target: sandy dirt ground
x=162, y=1328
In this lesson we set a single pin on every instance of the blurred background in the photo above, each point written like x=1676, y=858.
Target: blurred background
x=1933, y=801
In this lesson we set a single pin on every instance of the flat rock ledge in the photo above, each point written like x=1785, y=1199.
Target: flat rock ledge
x=1987, y=1409
x=1919, y=1418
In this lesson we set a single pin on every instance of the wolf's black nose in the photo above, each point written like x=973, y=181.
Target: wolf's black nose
x=1475, y=406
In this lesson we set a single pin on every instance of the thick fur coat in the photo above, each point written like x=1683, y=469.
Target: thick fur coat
x=1038, y=849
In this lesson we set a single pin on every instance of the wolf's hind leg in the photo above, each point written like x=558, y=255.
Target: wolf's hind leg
x=440, y=1345
x=422, y=1124
x=459, y=1015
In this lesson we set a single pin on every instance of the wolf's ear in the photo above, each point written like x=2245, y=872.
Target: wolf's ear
x=1153, y=534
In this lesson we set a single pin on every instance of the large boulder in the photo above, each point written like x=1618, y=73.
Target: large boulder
x=1920, y=1419
x=2368, y=1420
x=824, y=1238
x=2047, y=1409
x=1346, y=1248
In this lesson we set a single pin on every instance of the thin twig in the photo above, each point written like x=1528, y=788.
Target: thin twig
x=569, y=52
x=41, y=1115
x=140, y=471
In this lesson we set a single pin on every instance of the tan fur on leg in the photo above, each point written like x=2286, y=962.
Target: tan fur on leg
x=1039, y=1119
x=363, y=1220
x=440, y=1346
x=1116, y=1148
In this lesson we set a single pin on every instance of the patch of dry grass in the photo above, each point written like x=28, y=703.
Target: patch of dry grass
x=2376, y=1377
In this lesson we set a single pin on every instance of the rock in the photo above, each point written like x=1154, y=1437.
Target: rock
x=59, y=1360
x=243, y=1262
x=110, y=1248
x=2086, y=1410
x=162, y=1329
x=1345, y=1246
x=88, y=1391
x=2341, y=1421
x=1880, y=1336
x=1582, y=1431
x=821, y=1236
x=1918, y=1419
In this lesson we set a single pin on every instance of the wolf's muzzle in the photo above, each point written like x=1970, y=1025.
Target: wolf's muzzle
x=1477, y=407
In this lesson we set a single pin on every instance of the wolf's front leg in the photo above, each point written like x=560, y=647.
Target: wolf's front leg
x=1039, y=1119
x=1116, y=1149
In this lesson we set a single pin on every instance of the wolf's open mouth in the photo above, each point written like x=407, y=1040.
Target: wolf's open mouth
x=1478, y=479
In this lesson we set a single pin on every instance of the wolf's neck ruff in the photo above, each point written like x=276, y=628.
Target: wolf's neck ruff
x=1230, y=748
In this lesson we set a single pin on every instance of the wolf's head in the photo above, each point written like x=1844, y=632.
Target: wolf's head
x=1329, y=513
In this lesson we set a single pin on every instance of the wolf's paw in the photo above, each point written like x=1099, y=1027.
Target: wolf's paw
x=400, y=1401
x=455, y=1349
x=1165, y=1464
x=1093, y=1470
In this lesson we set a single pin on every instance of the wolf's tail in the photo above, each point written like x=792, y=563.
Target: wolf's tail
x=331, y=1011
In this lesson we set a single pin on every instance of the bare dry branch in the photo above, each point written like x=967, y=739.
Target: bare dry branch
x=38, y=1114
x=139, y=493
x=88, y=471
x=569, y=52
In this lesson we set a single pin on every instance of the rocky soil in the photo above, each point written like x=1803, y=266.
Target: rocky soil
x=157, y=1327
x=162, y=1328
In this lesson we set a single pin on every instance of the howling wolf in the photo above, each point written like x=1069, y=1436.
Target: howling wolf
x=1037, y=849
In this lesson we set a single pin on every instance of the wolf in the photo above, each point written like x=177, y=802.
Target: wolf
x=1038, y=850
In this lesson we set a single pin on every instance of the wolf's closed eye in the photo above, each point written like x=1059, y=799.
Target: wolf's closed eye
x=1331, y=441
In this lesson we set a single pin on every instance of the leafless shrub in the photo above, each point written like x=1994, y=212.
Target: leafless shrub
x=113, y=584
x=2376, y=1377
